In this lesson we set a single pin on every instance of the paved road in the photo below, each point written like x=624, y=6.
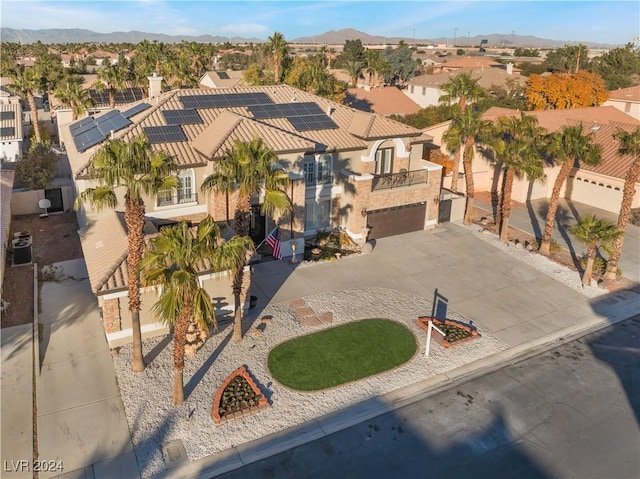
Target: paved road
x=573, y=411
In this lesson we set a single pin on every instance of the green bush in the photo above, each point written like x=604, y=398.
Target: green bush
x=599, y=265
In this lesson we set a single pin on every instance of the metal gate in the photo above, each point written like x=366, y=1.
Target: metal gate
x=55, y=196
x=396, y=220
x=444, y=211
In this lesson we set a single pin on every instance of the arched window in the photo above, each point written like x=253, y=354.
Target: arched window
x=185, y=193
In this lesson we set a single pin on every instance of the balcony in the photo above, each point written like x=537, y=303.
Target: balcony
x=174, y=199
x=399, y=180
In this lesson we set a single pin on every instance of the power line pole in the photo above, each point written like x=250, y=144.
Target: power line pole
x=455, y=35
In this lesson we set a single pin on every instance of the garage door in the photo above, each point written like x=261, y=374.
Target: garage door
x=397, y=220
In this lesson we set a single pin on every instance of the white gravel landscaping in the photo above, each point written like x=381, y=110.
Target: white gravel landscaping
x=154, y=421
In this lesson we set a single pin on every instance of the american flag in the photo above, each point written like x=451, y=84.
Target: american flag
x=273, y=240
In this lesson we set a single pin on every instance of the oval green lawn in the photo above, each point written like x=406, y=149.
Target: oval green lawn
x=341, y=354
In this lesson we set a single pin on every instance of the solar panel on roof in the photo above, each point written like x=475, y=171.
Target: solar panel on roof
x=7, y=115
x=112, y=122
x=312, y=122
x=165, y=134
x=223, y=75
x=7, y=131
x=83, y=125
x=140, y=107
x=225, y=100
x=88, y=138
x=182, y=117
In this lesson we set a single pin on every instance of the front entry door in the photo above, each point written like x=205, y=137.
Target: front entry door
x=55, y=196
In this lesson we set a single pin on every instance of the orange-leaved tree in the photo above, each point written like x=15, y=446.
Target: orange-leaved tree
x=563, y=90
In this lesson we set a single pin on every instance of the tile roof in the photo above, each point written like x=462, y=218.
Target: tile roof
x=604, y=121
x=11, y=127
x=226, y=79
x=6, y=189
x=487, y=77
x=626, y=94
x=469, y=62
x=278, y=133
x=383, y=101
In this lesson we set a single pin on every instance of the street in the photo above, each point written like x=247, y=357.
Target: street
x=573, y=411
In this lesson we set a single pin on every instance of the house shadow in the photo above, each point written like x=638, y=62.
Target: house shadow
x=618, y=346
x=390, y=445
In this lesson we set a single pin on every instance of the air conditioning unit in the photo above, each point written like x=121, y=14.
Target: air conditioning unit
x=21, y=249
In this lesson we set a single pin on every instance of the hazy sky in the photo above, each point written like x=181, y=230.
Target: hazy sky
x=614, y=22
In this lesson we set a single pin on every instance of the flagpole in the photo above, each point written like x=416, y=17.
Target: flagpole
x=265, y=238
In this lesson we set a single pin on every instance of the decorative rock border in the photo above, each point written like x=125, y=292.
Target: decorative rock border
x=262, y=402
x=423, y=322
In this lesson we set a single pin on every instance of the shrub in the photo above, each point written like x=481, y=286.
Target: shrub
x=599, y=265
x=38, y=169
x=635, y=216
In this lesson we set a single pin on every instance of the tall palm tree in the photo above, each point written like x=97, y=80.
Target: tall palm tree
x=629, y=144
x=468, y=127
x=278, y=48
x=463, y=89
x=517, y=143
x=140, y=171
x=569, y=147
x=72, y=95
x=453, y=142
x=248, y=169
x=112, y=78
x=354, y=68
x=171, y=262
x=373, y=58
x=594, y=232
x=25, y=82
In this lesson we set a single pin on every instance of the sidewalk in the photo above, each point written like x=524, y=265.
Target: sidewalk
x=524, y=308
x=531, y=218
x=81, y=419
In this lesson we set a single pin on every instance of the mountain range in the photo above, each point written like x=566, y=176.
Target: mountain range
x=332, y=37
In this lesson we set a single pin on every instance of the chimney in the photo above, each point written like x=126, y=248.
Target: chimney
x=155, y=85
x=509, y=68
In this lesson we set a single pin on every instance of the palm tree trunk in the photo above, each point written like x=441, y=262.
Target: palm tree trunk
x=134, y=217
x=112, y=97
x=34, y=116
x=242, y=227
x=468, y=178
x=237, y=311
x=455, y=168
x=509, y=175
x=179, y=339
x=630, y=180
x=496, y=202
x=545, y=244
x=588, y=270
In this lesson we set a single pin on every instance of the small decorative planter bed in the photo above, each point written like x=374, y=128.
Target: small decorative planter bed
x=455, y=332
x=238, y=396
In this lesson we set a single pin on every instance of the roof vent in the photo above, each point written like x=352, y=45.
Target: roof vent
x=595, y=127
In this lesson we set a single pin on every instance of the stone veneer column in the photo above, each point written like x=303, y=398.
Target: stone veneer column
x=111, y=315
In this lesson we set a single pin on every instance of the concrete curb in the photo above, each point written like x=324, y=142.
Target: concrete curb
x=282, y=441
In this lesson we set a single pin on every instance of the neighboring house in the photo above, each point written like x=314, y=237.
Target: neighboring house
x=626, y=100
x=222, y=79
x=454, y=64
x=599, y=186
x=6, y=188
x=426, y=90
x=349, y=169
x=11, y=134
x=383, y=101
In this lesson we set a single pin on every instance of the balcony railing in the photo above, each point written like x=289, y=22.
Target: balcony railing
x=176, y=199
x=399, y=180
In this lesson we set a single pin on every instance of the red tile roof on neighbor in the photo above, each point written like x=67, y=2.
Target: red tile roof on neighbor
x=487, y=77
x=383, y=101
x=603, y=121
x=626, y=94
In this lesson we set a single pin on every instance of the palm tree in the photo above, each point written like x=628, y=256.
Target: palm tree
x=354, y=69
x=171, y=262
x=373, y=61
x=463, y=89
x=72, y=95
x=517, y=143
x=140, y=171
x=25, y=82
x=278, y=48
x=594, y=232
x=569, y=147
x=112, y=79
x=468, y=127
x=451, y=138
x=629, y=144
x=248, y=169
